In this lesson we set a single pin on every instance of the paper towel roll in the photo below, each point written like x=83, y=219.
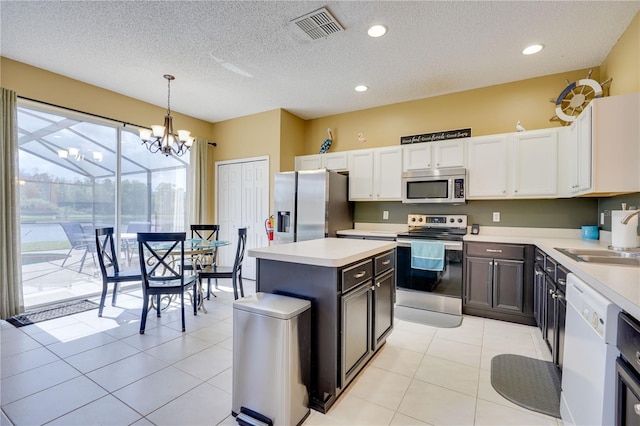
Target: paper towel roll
x=624, y=236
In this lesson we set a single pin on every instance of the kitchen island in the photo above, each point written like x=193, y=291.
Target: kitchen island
x=351, y=286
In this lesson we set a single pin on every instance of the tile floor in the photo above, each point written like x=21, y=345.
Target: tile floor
x=83, y=370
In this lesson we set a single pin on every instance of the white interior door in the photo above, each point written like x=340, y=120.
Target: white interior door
x=229, y=209
x=243, y=201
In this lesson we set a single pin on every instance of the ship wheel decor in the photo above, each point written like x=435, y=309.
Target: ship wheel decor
x=575, y=98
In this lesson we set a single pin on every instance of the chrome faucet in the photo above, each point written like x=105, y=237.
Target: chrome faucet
x=628, y=217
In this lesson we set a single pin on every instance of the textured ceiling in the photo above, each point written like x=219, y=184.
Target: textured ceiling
x=235, y=58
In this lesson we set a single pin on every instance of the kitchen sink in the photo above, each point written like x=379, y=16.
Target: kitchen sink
x=609, y=257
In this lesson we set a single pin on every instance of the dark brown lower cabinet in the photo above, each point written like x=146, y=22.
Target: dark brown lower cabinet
x=357, y=310
x=498, y=281
x=550, y=281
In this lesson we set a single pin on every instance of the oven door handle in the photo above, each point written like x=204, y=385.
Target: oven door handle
x=403, y=243
x=448, y=245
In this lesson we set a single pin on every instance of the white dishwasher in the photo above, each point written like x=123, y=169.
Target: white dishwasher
x=589, y=370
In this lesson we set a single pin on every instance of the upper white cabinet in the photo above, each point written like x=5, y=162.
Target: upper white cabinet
x=603, y=156
x=433, y=155
x=513, y=165
x=487, y=166
x=336, y=161
x=535, y=163
x=309, y=162
x=577, y=164
x=375, y=174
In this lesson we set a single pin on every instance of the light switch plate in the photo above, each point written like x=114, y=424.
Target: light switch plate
x=496, y=216
x=385, y=214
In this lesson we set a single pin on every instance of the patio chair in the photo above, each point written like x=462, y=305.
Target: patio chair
x=109, y=268
x=234, y=272
x=79, y=241
x=161, y=260
x=209, y=233
x=129, y=244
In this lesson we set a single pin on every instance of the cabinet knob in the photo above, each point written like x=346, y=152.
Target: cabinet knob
x=551, y=292
x=562, y=281
x=373, y=288
x=386, y=262
x=437, y=164
x=360, y=274
x=494, y=250
x=636, y=408
x=504, y=191
x=378, y=285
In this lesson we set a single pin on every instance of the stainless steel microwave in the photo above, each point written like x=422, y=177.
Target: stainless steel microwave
x=434, y=186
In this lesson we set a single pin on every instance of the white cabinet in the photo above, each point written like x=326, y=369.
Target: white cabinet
x=336, y=161
x=603, y=156
x=535, y=163
x=361, y=175
x=487, y=162
x=577, y=165
x=433, y=155
x=375, y=174
x=309, y=162
x=513, y=165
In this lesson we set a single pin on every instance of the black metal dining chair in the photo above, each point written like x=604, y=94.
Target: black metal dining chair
x=206, y=232
x=111, y=273
x=234, y=272
x=161, y=264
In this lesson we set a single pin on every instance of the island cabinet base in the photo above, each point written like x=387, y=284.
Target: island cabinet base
x=343, y=301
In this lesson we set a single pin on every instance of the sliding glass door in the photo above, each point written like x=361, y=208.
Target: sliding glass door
x=76, y=174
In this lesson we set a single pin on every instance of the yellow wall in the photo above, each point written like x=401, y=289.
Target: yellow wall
x=44, y=86
x=623, y=62
x=489, y=110
x=291, y=139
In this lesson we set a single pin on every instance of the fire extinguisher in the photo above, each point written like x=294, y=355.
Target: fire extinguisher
x=268, y=226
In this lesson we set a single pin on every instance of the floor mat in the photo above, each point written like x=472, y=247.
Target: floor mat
x=421, y=316
x=527, y=382
x=51, y=312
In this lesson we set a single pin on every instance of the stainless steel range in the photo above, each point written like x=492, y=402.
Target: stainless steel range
x=439, y=291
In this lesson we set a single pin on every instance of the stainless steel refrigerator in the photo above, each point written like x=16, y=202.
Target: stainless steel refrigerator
x=310, y=204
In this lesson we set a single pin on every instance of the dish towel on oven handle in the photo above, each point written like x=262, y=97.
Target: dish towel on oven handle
x=427, y=255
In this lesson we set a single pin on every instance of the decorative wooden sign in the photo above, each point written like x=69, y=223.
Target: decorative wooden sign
x=436, y=136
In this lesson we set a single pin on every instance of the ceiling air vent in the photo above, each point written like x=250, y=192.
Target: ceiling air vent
x=318, y=24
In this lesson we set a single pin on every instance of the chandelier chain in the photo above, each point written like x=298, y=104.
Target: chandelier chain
x=168, y=96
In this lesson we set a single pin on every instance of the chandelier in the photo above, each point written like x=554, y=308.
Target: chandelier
x=162, y=138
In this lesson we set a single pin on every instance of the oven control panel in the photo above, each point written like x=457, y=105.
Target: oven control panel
x=437, y=221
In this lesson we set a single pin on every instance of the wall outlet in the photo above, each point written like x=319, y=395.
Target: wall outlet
x=385, y=215
x=602, y=218
x=496, y=216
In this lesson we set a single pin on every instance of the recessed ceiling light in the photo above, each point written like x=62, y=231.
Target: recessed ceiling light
x=361, y=88
x=534, y=48
x=377, y=31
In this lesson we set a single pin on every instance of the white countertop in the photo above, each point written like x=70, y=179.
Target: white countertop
x=331, y=252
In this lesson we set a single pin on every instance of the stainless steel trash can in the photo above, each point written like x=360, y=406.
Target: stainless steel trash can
x=271, y=359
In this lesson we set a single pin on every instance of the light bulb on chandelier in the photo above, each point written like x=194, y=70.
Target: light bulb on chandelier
x=162, y=138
